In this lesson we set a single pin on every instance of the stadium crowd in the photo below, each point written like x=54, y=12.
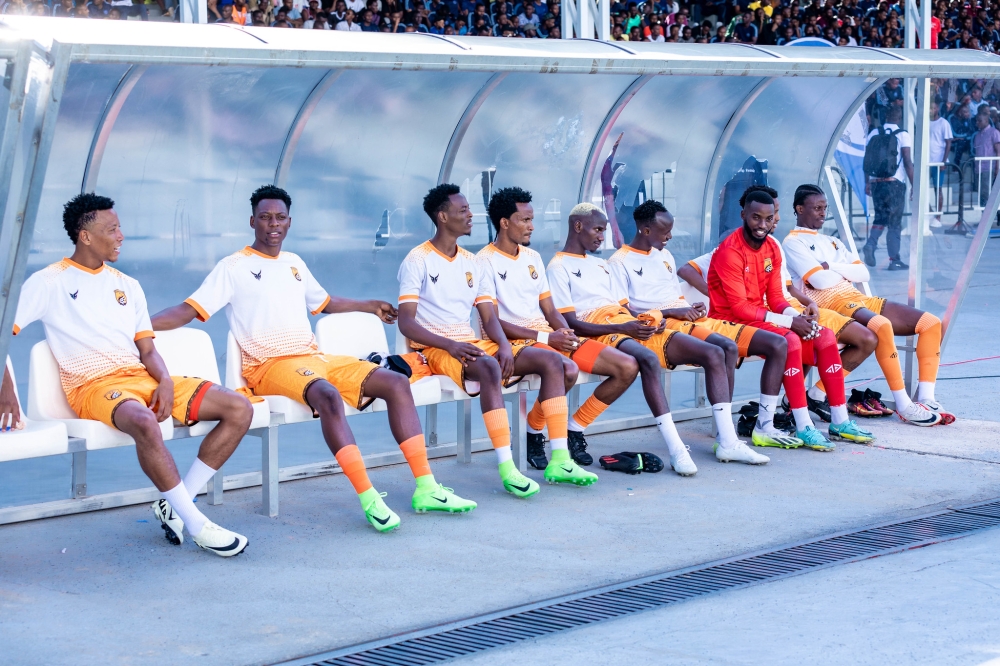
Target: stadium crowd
x=877, y=23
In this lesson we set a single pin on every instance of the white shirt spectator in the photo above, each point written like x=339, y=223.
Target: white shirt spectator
x=350, y=27
x=357, y=5
x=904, y=142
x=940, y=132
x=523, y=20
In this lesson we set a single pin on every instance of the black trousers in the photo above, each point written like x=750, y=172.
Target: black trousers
x=889, y=197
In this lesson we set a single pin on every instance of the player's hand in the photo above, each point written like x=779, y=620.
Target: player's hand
x=700, y=309
x=802, y=327
x=505, y=357
x=465, y=352
x=811, y=312
x=636, y=329
x=10, y=413
x=684, y=314
x=564, y=340
x=163, y=400
x=384, y=311
x=825, y=266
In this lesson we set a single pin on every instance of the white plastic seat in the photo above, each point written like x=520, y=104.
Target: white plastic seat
x=293, y=410
x=189, y=352
x=37, y=439
x=358, y=334
x=47, y=402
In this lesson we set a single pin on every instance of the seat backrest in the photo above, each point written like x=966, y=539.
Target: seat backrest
x=188, y=352
x=402, y=344
x=234, y=363
x=46, y=398
x=354, y=334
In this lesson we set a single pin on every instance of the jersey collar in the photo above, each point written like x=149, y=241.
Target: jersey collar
x=629, y=248
x=502, y=253
x=570, y=254
x=92, y=271
x=259, y=253
x=442, y=254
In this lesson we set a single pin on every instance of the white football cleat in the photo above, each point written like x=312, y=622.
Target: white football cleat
x=220, y=541
x=739, y=452
x=947, y=418
x=173, y=526
x=919, y=415
x=683, y=464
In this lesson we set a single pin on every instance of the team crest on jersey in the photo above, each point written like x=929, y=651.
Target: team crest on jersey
x=670, y=268
x=120, y=297
x=295, y=272
x=305, y=372
x=113, y=395
x=532, y=272
x=768, y=266
x=468, y=279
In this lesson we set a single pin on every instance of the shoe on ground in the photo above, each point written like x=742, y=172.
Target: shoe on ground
x=947, y=418
x=380, y=516
x=651, y=463
x=820, y=408
x=536, y=450
x=935, y=222
x=897, y=265
x=919, y=415
x=813, y=439
x=849, y=431
x=439, y=498
x=578, y=449
x=563, y=469
x=220, y=541
x=740, y=453
x=869, y=253
x=873, y=399
x=515, y=483
x=859, y=405
x=773, y=437
x=629, y=463
x=173, y=526
x=682, y=463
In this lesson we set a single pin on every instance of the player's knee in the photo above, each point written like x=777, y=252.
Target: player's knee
x=647, y=361
x=571, y=372
x=715, y=357
x=398, y=385
x=329, y=401
x=626, y=370
x=868, y=341
x=237, y=409
x=489, y=371
x=793, y=344
x=143, y=426
x=825, y=339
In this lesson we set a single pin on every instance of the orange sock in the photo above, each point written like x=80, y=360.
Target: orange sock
x=497, y=427
x=928, y=346
x=588, y=412
x=353, y=465
x=886, y=353
x=556, y=415
x=415, y=453
x=536, y=417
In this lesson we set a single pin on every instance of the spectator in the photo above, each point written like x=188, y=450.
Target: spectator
x=348, y=23
x=889, y=193
x=556, y=33
x=241, y=11
x=83, y=11
x=962, y=127
x=257, y=19
x=975, y=101
x=986, y=144
x=655, y=33
x=226, y=10
x=772, y=32
x=528, y=16
x=98, y=8
x=320, y=22
x=65, y=9
x=369, y=24
x=114, y=14
x=746, y=32
x=941, y=137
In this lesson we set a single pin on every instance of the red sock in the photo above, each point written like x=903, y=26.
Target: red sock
x=830, y=367
x=793, y=381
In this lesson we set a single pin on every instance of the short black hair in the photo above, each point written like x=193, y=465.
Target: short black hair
x=438, y=198
x=645, y=213
x=757, y=196
x=771, y=192
x=803, y=192
x=504, y=203
x=81, y=210
x=269, y=192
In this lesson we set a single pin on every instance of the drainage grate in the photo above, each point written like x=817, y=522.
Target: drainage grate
x=442, y=643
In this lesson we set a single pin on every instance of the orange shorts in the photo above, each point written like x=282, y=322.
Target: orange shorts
x=658, y=342
x=584, y=356
x=845, y=299
x=741, y=334
x=98, y=400
x=442, y=363
x=291, y=376
x=834, y=321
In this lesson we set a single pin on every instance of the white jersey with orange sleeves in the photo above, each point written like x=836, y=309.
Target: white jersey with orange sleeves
x=444, y=288
x=807, y=250
x=650, y=277
x=519, y=284
x=92, y=319
x=583, y=283
x=267, y=301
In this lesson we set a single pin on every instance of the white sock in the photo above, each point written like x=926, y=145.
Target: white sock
x=723, y=413
x=838, y=414
x=925, y=391
x=533, y=431
x=903, y=401
x=574, y=426
x=503, y=454
x=816, y=394
x=802, y=418
x=197, y=477
x=558, y=443
x=180, y=500
x=765, y=415
x=666, y=425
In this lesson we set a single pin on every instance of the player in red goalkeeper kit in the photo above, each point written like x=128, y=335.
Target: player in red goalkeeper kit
x=744, y=285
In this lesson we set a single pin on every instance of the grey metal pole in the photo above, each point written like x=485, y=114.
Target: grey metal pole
x=921, y=199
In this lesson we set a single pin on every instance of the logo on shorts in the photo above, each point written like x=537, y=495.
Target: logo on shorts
x=834, y=368
x=120, y=297
x=113, y=395
x=768, y=266
x=305, y=372
x=670, y=268
x=295, y=272
x=852, y=305
x=532, y=272
x=791, y=372
x=614, y=338
x=468, y=279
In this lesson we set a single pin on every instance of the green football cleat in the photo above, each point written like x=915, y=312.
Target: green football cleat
x=814, y=439
x=849, y=431
x=514, y=482
x=562, y=469
x=378, y=514
x=774, y=438
x=435, y=497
